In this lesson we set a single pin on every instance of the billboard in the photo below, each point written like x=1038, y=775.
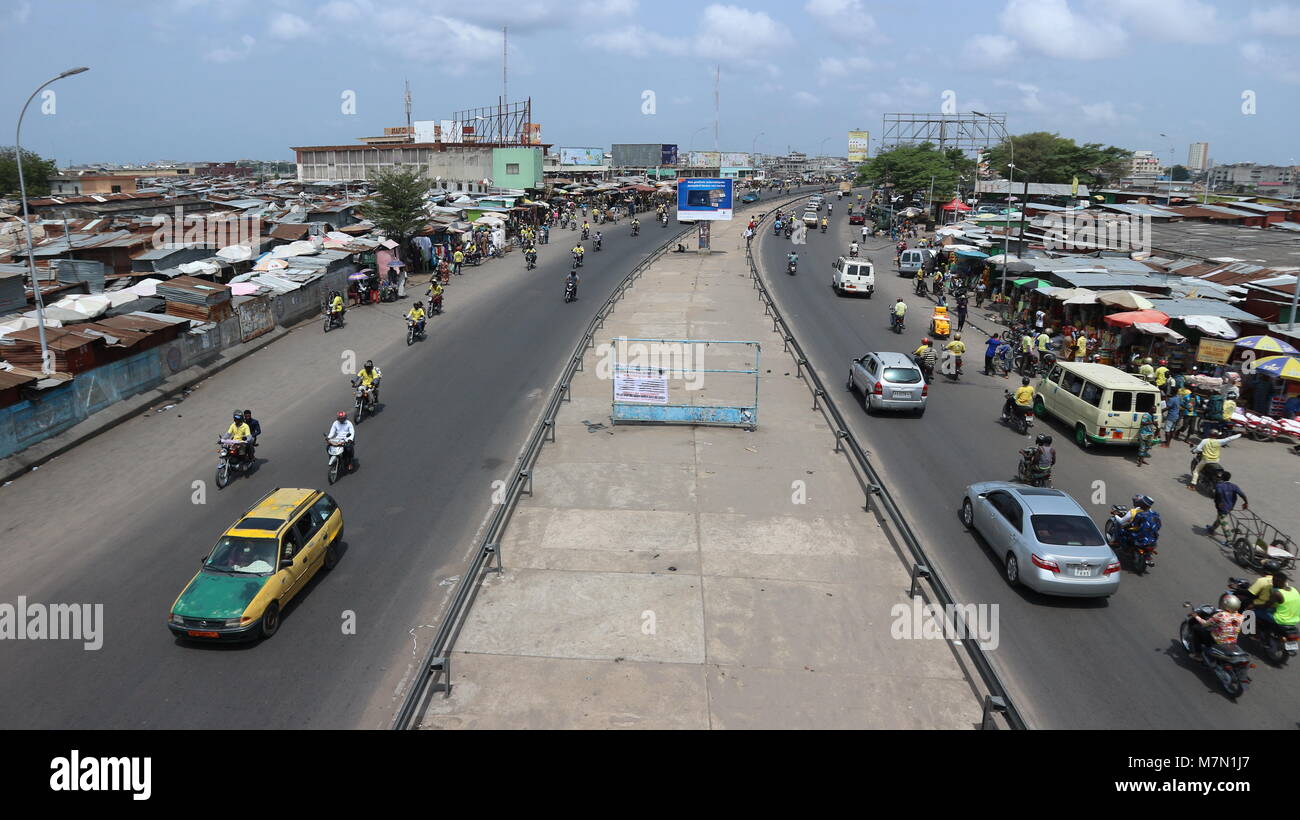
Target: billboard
x=668, y=154
x=735, y=159
x=582, y=156
x=704, y=198
x=703, y=159
x=859, y=143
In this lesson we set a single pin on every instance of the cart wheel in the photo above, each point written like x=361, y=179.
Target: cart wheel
x=1241, y=552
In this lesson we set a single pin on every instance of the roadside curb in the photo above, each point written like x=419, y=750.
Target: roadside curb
x=32, y=457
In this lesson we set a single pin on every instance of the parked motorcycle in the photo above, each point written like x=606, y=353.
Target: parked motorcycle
x=233, y=456
x=1021, y=419
x=335, y=451
x=1229, y=662
x=387, y=292
x=1027, y=473
x=1123, y=541
x=1278, y=643
x=333, y=319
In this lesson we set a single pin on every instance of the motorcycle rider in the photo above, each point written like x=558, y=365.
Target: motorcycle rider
x=240, y=431
x=369, y=377
x=435, y=295
x=343, y=430
x=853, y=249
x=416, y=314
x=926, y=358
x=578, y=252
x=899, y=311
x=957, y=348
x=530, y=255
x=255, y=428
x=792, y=260
x=1044, y=457
x=824, y=224
x=1021, y=401
x=1224, y=625
x=336, y=306
x=597, y=240
x=1208, y=449
x=636, y=227
x=586, y=229
x=1142, y=525
x=1261, y=590
x=571, y=281
x=1284, y=604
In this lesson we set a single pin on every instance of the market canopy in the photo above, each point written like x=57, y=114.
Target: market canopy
x=1132, y=317
x=1031, y=282
x=1266, y=344
x=956, y=205
x=1288, y=367
x=971, y=252
x=1128, y=299
x=1154, y=329
x=1213, y=325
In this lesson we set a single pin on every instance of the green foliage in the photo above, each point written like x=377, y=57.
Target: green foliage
x=36, y=172
x=397, y=205
x=910, y=168
x=1180, y=174
x=1050, y=158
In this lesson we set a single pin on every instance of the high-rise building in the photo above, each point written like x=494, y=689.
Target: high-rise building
x=1198, y=156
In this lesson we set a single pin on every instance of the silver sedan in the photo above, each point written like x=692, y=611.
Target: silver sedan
x=1045, y=539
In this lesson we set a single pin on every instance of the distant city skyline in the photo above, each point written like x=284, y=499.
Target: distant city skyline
x=223, y=79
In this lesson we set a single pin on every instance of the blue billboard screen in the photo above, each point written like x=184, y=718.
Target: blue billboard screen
x=704, y=198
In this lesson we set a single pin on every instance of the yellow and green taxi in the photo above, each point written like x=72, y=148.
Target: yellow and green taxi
x=262, y=561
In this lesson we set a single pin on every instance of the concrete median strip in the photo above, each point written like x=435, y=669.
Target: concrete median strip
x=697, y=577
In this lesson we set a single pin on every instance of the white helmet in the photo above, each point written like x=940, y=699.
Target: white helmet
x=1231, y=603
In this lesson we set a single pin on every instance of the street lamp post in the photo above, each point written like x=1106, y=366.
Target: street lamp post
x=47, y=365
x=1006, y=226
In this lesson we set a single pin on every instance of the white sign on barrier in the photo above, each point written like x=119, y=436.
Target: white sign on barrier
x=642, y=389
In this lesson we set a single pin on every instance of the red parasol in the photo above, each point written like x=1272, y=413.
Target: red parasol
x=956, y=205
x=1128, y=317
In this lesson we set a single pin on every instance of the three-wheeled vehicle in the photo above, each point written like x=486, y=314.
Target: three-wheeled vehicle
x=940, y=324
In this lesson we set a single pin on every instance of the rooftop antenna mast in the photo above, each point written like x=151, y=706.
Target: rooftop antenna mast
x=410, y=134
x=501, y=107
x=717, y=80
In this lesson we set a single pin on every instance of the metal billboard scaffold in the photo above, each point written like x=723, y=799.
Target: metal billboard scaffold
x=969, y=131
x=501, y=124
x=645, y=393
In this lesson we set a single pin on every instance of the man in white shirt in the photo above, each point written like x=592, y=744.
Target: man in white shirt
x=1039, y=318
x=343, y=430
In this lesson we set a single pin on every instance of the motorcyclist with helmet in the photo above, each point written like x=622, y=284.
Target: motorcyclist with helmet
x=1223, y=626
x=1022, y=401
x=342, y=430
x=926, y=358
x=1140, y=526
x=1044, y=457
x=240, y=431
x=369, y=377
x=416, y=315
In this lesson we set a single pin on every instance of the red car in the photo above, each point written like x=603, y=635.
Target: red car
x=857, y=217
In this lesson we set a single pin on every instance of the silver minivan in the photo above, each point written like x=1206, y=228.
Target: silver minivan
x=889, y=381
x=912, y=260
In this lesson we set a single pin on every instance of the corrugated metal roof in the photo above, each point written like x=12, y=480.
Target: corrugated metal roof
x=999, y=186
x=1095, y=280
x=1178, y=308
x=1142, y=210
x=1226, y=210
x=1255, y=206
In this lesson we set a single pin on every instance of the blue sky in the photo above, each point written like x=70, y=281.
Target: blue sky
x=229, y=79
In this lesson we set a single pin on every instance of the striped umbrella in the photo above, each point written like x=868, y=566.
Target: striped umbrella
x=1287, y=367
x=1266, y=344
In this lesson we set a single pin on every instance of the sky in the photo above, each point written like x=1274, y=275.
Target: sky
x=233, y=79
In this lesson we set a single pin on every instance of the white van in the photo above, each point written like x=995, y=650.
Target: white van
x=1099, y=403
x=853, y=275
x=912, y=260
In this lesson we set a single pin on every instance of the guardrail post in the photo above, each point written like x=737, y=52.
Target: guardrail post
x=799, y=365
x=919, y=572
x=528, y=483
x=840, y=435
x=817, y=394
x=494, y=555
x=442, y=665
x=993, y=705
x=567, y=394
x=874, y=489
x=549, y=434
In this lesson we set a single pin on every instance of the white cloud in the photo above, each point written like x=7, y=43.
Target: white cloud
x=1029, y=101
x=606, y=8
x=725, y=31
x=846, y=20
x=989, y=50
x=804, y=98
x=231, y=55
x=20, y=13
x=1276, y=20
x=636, y=41
x=1180, y=21
x=1052, y=28
x=1283, y=66
x=285, y=26
x=1102, y=113
x=836, y=67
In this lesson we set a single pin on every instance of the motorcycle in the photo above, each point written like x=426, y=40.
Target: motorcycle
x=435, y=304
x=1027, y=473
x=333, y=319
x=636, y=230
x=570, y=292
x=1022, y=419
x=577, y=260
x=585, y=233
x=787, y=231
x=853, y=253
x=1211, y=475
x=1121, y=539
x=335, y=448
x=232, y=456
x=1229, y=662
x=920, y=289
x=895, y=322
x=531, y=259
x=1278, y=642
x=387, y=292
x=365, y=402
x=823, y=227
x=791, y=267
x=951, y=365
x=597, y=244
x=414, y=330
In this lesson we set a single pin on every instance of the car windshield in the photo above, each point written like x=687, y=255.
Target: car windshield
x=1066, y=530
x=903, y=375
x=253, y=556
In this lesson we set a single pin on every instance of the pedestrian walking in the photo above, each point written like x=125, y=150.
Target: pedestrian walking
x=1148, y=433
x=1225, y=498
x=1189, y=411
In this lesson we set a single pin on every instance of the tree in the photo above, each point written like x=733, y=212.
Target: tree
x=36, y=172
x=1050, y=158
x=1179, y=173
x=910, y=169
x=397, y=205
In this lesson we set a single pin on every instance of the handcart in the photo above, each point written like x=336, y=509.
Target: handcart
x=1255, y=541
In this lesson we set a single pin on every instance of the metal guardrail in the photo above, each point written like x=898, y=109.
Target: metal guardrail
x=437, y=660
x=997, y=701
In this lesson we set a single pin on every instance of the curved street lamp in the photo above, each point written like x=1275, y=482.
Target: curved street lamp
x=47, y=366
x=1006, y=226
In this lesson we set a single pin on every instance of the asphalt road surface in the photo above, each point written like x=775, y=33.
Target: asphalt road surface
x=1093, y=664
x=115, y=521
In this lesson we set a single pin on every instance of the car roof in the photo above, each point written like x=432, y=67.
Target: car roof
x=1107, y=376
x=1038, y=500
x=858, y=260
x=894, y=359
x=279, y=505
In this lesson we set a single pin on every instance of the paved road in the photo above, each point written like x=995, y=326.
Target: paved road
x=1070, y=664
x=113, y=521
